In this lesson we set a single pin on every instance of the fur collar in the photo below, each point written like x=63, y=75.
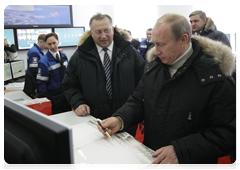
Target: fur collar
x=86, y=34
x=221, y=53
x=209, y=25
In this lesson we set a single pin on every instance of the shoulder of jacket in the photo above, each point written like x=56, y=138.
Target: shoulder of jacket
x=210, y=24
x=220, y=53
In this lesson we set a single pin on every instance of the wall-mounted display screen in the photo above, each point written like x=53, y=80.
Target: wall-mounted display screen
x=27, y=37
x=7, y=72
x=9, y=35
x=18, y=69
x=18, y=16
x=69, y=36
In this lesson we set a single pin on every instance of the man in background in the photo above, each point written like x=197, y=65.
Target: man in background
x=51, y=70
x=10, y=52
x=104, y=70
x=33, y=57
x=144, y=43
x=135, y=43
x=204, y=26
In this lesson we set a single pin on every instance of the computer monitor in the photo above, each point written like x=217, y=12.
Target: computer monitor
x=69, y=36
x=18, y=69
x=9, y=35
x=26, y=37
x=7, y=72
x=30, y=137
x=22, y=16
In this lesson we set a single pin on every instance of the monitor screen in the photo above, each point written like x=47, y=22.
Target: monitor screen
x=18, y=16
x=18, y=69
x=7, y=72
x=27, y=37
x=69, y=36
x=9, y=35
x=31, y=137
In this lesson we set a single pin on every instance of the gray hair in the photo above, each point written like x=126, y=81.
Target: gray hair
x=201, y=14
x=100, y=17
x=179, y=25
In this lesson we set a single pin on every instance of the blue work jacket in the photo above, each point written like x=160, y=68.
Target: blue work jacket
x=50, y=75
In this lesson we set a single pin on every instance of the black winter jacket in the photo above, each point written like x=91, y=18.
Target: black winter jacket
x=85, y=82
x=195, y=110
x=211, y=32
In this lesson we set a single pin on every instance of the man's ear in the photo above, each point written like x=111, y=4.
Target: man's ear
x=184, y=39
x=91, y=32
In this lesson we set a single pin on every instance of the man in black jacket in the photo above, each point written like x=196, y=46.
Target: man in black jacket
x=204, y=26
x=104, y=70
x=186, y=98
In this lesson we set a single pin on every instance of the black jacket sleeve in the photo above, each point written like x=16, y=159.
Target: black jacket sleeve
x=71, y=83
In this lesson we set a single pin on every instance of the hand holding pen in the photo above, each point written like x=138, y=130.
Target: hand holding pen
x=105, y=131
x=111, y=126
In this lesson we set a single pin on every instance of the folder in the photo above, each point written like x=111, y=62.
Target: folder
x=42, y=105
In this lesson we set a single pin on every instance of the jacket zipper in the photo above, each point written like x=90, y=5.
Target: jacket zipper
x=190, y=116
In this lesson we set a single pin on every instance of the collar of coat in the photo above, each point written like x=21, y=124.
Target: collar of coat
x=210, y=26
x=220, y=52
x=120, y=38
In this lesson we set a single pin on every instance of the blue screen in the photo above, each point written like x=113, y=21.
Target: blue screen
x=69, y=36
x=27, y=37
x=37, y=15
x=9, y=35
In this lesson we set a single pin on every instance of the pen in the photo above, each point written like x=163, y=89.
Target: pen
x=104, y=129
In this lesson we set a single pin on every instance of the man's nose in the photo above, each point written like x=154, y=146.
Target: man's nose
x=157, y=51
x=103, y=35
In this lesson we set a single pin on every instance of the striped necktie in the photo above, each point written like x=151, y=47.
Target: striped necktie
x=107, y=64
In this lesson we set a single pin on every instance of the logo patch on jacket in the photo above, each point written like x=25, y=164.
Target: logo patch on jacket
x=65, y=64
x=39, y=71
x=35, y=59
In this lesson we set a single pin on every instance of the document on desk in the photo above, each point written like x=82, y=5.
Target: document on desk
x=90, y=147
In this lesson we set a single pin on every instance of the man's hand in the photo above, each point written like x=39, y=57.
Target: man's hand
x=112, y=125
x=82, y=110
x=165, y=155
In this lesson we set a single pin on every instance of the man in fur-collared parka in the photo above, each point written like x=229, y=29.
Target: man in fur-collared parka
x=104, y=70
x=204, y=26
x=186, y=97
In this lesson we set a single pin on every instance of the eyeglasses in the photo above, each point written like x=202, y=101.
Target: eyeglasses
x=99, y=32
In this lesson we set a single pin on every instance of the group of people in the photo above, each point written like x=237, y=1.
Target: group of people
x=185, y=96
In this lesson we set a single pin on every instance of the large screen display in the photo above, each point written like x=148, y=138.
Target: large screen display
x=18, y=69
x=27, y=37
x=9, y=35
x=7, y=72
x=16, y=16
x=69, y=36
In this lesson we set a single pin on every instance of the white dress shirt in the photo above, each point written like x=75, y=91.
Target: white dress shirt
x=101, y=52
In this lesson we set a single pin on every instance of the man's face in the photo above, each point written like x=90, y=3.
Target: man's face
x=52, y=44
x=197, y=23
x=149, y=35
x=102, y=32
x=166, y=47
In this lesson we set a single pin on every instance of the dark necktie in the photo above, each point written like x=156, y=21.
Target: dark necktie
x=62, y=67
x=57, y=56
x=107, y=64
